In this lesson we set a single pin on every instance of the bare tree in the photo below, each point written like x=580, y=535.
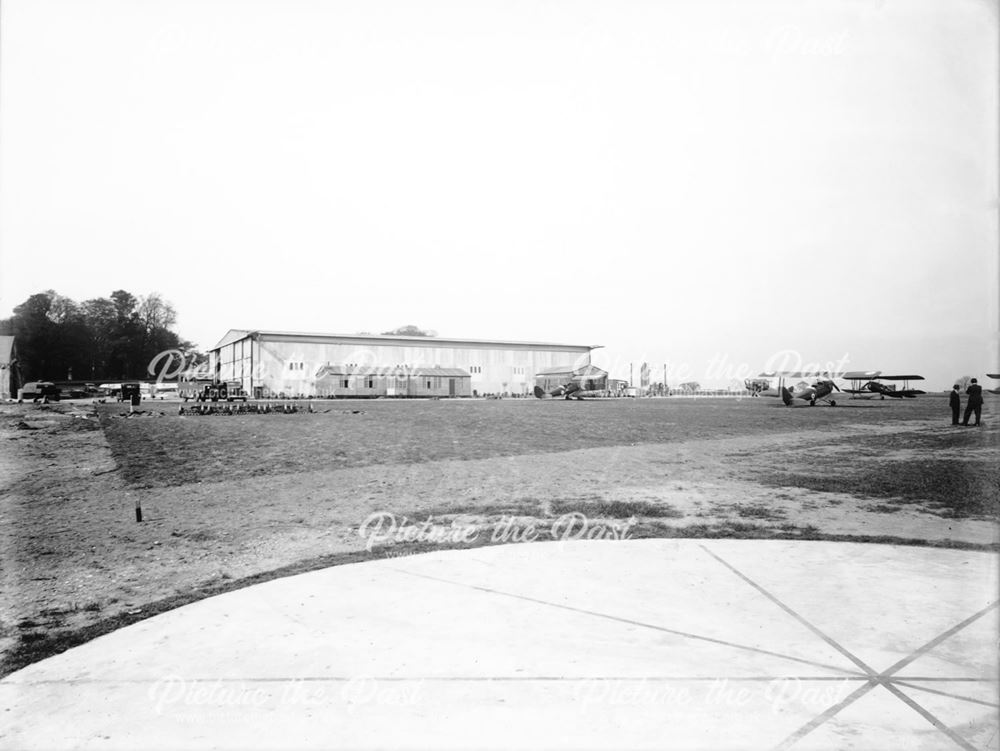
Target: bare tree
x=156, y=313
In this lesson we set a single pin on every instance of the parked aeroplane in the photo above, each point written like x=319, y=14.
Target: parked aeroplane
x=819, y=391
x=570, y=390
x=865, y=382
x=757, y=386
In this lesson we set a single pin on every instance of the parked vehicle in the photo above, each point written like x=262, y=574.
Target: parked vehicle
x=40, y=390
x=210, y=391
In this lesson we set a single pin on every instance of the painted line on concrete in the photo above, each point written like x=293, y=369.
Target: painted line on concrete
x=819, y=719
x=631, y=622
x=899, y=682
x=931, y=718
x=938, y=639
x=444, y=679
x=849, y=655
x=945, y=679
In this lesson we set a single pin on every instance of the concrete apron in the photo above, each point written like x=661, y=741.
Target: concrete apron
x=586, y=644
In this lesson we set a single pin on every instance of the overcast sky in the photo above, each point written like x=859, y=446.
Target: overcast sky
x=674, y=180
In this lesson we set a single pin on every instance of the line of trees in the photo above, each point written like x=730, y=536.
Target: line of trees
x=107, y=338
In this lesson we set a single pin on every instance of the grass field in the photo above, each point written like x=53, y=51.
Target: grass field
x=178, y=451
x=231, y=500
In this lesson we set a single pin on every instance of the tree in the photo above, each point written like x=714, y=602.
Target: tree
x=124, y=303
x=155, y=313
x=410, y=330
x=963, y=382
x=34, y=331
x=101, y=318
x=113, y=338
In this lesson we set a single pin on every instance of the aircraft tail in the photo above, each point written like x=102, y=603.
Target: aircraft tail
x=786, y=396
x=539, y=392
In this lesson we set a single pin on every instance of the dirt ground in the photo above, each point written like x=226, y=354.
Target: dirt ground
x=231, y=500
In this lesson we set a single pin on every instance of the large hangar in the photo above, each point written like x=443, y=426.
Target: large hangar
x=273, y=363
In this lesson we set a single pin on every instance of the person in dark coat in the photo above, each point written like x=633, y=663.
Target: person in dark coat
x=975, y=403
x=956, y=404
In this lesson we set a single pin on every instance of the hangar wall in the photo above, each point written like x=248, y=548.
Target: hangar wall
x=272, y=362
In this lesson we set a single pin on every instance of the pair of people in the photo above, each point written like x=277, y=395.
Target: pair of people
x=974, y=405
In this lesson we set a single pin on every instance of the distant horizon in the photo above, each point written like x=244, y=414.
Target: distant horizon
x=717, y=370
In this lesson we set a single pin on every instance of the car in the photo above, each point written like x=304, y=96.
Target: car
x=40, y=390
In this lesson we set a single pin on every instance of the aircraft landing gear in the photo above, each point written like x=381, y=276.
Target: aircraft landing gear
x=833, y=403
x=812, y=403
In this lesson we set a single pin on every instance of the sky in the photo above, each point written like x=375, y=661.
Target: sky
x=700, y=185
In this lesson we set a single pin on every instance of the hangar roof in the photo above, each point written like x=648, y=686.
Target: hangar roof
x=234, y=335
x=588, y=371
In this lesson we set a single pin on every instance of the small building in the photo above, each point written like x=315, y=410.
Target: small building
x=352, y=381
x=589, y=377
x=617, y=386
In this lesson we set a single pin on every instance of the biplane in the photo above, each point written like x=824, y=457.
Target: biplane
x=868, y=384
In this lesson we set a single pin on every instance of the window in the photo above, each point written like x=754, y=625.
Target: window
x=346, y=383
x=371, y=383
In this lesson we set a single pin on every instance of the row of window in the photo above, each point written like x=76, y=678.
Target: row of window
x=517, y=370
x=429, y=383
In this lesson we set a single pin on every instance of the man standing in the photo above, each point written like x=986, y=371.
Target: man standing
x=975, y=403
x=956, y=404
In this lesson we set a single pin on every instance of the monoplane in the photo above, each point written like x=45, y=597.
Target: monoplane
x=571, y=390
x=820, y=390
